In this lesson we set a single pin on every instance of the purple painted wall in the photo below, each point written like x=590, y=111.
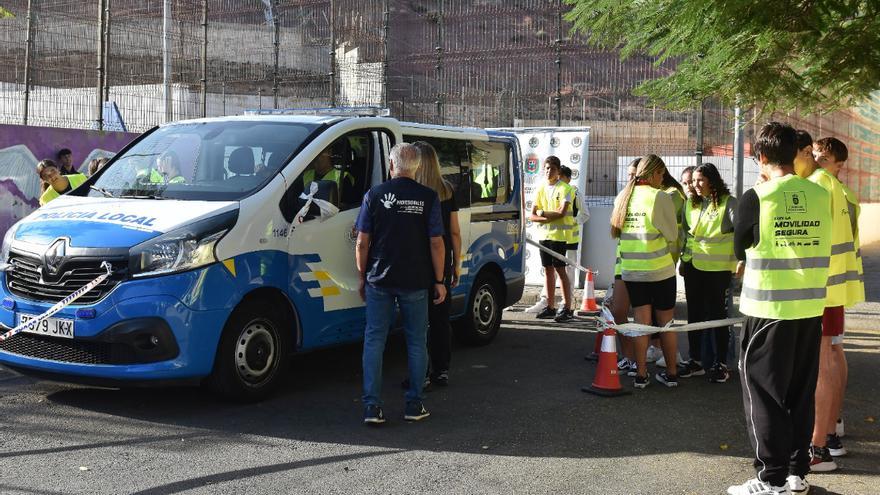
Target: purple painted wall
x=21, y=147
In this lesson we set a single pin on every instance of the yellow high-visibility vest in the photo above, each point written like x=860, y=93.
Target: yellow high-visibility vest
x=50, y=193
x=843, y=251
x=709, y=249
x=855, y=288
x=642, y=247
x=787, y=271
x=550, y=198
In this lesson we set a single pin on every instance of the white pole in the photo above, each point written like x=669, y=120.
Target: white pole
x=166, y=59
x=738, y=150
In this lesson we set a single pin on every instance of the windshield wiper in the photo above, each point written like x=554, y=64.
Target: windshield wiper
x=144, y=196
x=102, y=191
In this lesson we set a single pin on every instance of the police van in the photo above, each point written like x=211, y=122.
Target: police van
x=230, y=243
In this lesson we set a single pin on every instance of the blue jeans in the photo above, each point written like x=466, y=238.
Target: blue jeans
x=413, y=306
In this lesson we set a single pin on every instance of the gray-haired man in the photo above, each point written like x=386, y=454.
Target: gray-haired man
x=400, y=257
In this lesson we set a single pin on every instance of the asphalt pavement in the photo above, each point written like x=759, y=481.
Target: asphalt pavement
x=513, y=420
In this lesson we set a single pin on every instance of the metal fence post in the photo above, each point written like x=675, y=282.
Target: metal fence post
x=558, y=43
x=439, y=49
x=204, y=79
x=385, y=53
x=276, y=42
x=738, y=150
x=106, y=50
x=698, y=152
x=28, y=49
x=99, y=109
x=166, y=59
x=332, y=73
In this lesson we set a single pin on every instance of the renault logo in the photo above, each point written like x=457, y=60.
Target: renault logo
x=54, y=256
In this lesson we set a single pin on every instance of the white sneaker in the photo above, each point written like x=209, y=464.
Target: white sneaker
x=539, y=306
x=797, y=484
x=654, y=353
x=757, y=487
x=662, y=361
x=838, y=428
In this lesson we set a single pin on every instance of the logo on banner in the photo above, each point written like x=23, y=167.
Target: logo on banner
x=575, y=157
x=554, y=142
x=576, y=141
x=528, y=206
x=531, y=164
x=534, y=142
x=575, y=173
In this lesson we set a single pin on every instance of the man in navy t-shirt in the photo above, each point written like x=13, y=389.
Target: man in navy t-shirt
x=400, y=257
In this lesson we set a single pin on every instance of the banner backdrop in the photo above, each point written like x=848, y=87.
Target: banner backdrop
x=570, y=145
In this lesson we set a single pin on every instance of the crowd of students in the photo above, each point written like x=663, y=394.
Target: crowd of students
x=793, y=239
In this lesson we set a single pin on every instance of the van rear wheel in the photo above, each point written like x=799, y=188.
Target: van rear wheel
x=481, y=322
x=252, y=354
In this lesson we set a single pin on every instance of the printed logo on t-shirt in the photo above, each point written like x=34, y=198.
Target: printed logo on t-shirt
x=415, y=206
x=388, y=200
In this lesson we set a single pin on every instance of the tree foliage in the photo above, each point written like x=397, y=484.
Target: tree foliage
x=781, y=54
x=5, y=13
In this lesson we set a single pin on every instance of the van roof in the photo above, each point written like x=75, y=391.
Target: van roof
x=330, y=119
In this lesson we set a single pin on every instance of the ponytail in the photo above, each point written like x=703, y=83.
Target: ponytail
x=645, y=169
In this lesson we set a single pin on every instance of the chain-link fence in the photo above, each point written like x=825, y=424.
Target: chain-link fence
x=483, y=63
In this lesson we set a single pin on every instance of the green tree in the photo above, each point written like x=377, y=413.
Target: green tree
x=5, y=13
x=783, y=54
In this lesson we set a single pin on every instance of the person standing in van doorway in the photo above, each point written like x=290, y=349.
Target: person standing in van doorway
x=439, y=328
x=551, y=211
x=400, y=256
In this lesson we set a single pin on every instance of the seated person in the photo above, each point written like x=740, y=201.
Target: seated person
x=57, y=184
x=322, y=168
x=167, y=170
x=485, y=180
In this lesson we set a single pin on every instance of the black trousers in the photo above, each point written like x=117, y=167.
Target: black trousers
x=707, y=294
x=778, y=366
x=440, y=333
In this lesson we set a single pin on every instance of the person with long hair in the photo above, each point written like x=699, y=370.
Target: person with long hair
x=619, y=304
x=439, y=330
x=644, y=221
x=708, y=263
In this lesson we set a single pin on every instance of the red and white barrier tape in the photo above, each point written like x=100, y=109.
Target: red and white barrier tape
x=67, y=301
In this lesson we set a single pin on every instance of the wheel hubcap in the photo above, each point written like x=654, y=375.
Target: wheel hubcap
x=484, y=309
x=255, y=352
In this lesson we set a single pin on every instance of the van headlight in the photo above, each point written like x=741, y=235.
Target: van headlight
x=6, y=246
x=186, y=248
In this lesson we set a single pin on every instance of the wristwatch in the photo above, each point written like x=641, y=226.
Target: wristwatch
x=438, y=282
x=540, y=213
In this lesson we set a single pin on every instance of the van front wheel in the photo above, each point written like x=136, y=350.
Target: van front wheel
x=481, y=322
x=252, y=354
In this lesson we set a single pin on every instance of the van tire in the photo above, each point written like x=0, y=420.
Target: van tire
x=481, y=321
x=252, y=356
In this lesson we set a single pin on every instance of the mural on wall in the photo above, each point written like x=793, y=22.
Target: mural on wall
x=21, y=147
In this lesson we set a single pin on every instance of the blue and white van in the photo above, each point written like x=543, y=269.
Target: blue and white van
x=220, y=269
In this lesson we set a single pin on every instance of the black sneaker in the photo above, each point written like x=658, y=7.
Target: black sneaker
x=373, y=415
x=718, y=373
x=415, y=411
x=641, y=381
x=834, y=445
x=441, y=379
x=563, y=315
x=668, y=380
x=691, y=368
x=546, y=314
x=821, y=460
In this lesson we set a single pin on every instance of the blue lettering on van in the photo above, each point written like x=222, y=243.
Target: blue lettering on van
x=110, y=217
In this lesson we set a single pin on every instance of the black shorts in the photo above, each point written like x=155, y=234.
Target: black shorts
x=660, y=295
x=557, y=247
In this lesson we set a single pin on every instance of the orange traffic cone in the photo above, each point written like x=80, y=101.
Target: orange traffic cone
x=607, y=381
x=588, y=304
x=597, y=348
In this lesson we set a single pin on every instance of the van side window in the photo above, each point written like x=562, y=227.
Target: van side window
x=455, y=164
x=490, y=173
x=342, y=172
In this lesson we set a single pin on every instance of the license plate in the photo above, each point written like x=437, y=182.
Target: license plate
x=53, y=327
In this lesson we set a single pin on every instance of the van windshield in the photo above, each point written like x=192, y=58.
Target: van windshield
x=219, y=161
